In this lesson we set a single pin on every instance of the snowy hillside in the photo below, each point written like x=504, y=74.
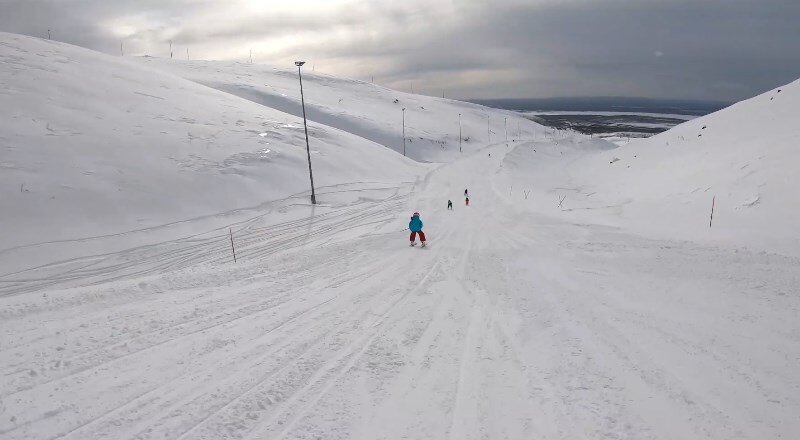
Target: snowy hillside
x=579, y=295
x=742, y=158
x=365, y=109
x=94, y=145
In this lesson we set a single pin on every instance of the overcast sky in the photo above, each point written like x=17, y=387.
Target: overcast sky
x=694, y=49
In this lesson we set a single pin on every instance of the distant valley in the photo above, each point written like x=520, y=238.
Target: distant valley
x=616, y=119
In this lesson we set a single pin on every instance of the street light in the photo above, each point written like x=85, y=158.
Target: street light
x=404, y=131
x=459, y=132
x=305, y=127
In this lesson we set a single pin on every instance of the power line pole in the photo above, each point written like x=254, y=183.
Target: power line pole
x=459, y=133
x=305, y=127
x=404, y=131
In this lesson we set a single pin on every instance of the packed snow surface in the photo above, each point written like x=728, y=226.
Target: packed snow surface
x=580, y=295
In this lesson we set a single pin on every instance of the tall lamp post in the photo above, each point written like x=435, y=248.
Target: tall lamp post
x=305, y=127
x=404, y=131
x=459, y=132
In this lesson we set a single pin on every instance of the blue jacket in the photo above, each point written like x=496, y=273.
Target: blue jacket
x=415, y=225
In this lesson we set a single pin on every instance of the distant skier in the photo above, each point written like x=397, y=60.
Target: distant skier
x=466, y=193
x=467, y=201
x=415, y=226
x=450, y=205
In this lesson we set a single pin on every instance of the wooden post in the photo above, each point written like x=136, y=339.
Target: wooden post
x=713, y=201
x=233, y=249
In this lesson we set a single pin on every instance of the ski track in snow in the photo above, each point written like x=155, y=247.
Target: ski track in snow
x=511, y=324
x=194, y=250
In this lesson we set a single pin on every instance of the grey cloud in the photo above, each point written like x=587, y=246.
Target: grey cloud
x=657, y=48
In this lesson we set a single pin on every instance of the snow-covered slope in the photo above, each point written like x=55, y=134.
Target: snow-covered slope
x=365, y=109
x=94, y=145
x=742, y=158
x=510, y=324
x=576, y=297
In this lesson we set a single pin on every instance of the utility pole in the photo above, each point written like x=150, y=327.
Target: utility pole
x=404, y=131
x=305, y=127
x=459, y=132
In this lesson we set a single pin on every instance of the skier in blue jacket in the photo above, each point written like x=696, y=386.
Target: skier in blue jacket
x=415, y=226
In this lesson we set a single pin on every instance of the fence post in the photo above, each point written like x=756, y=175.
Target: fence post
x=713, y=201
x=233, y=249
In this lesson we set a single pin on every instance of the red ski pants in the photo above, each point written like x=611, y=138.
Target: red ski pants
x=414, y=235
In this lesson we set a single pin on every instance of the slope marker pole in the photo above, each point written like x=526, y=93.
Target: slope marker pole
x=713, y=202
x=233, y=249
